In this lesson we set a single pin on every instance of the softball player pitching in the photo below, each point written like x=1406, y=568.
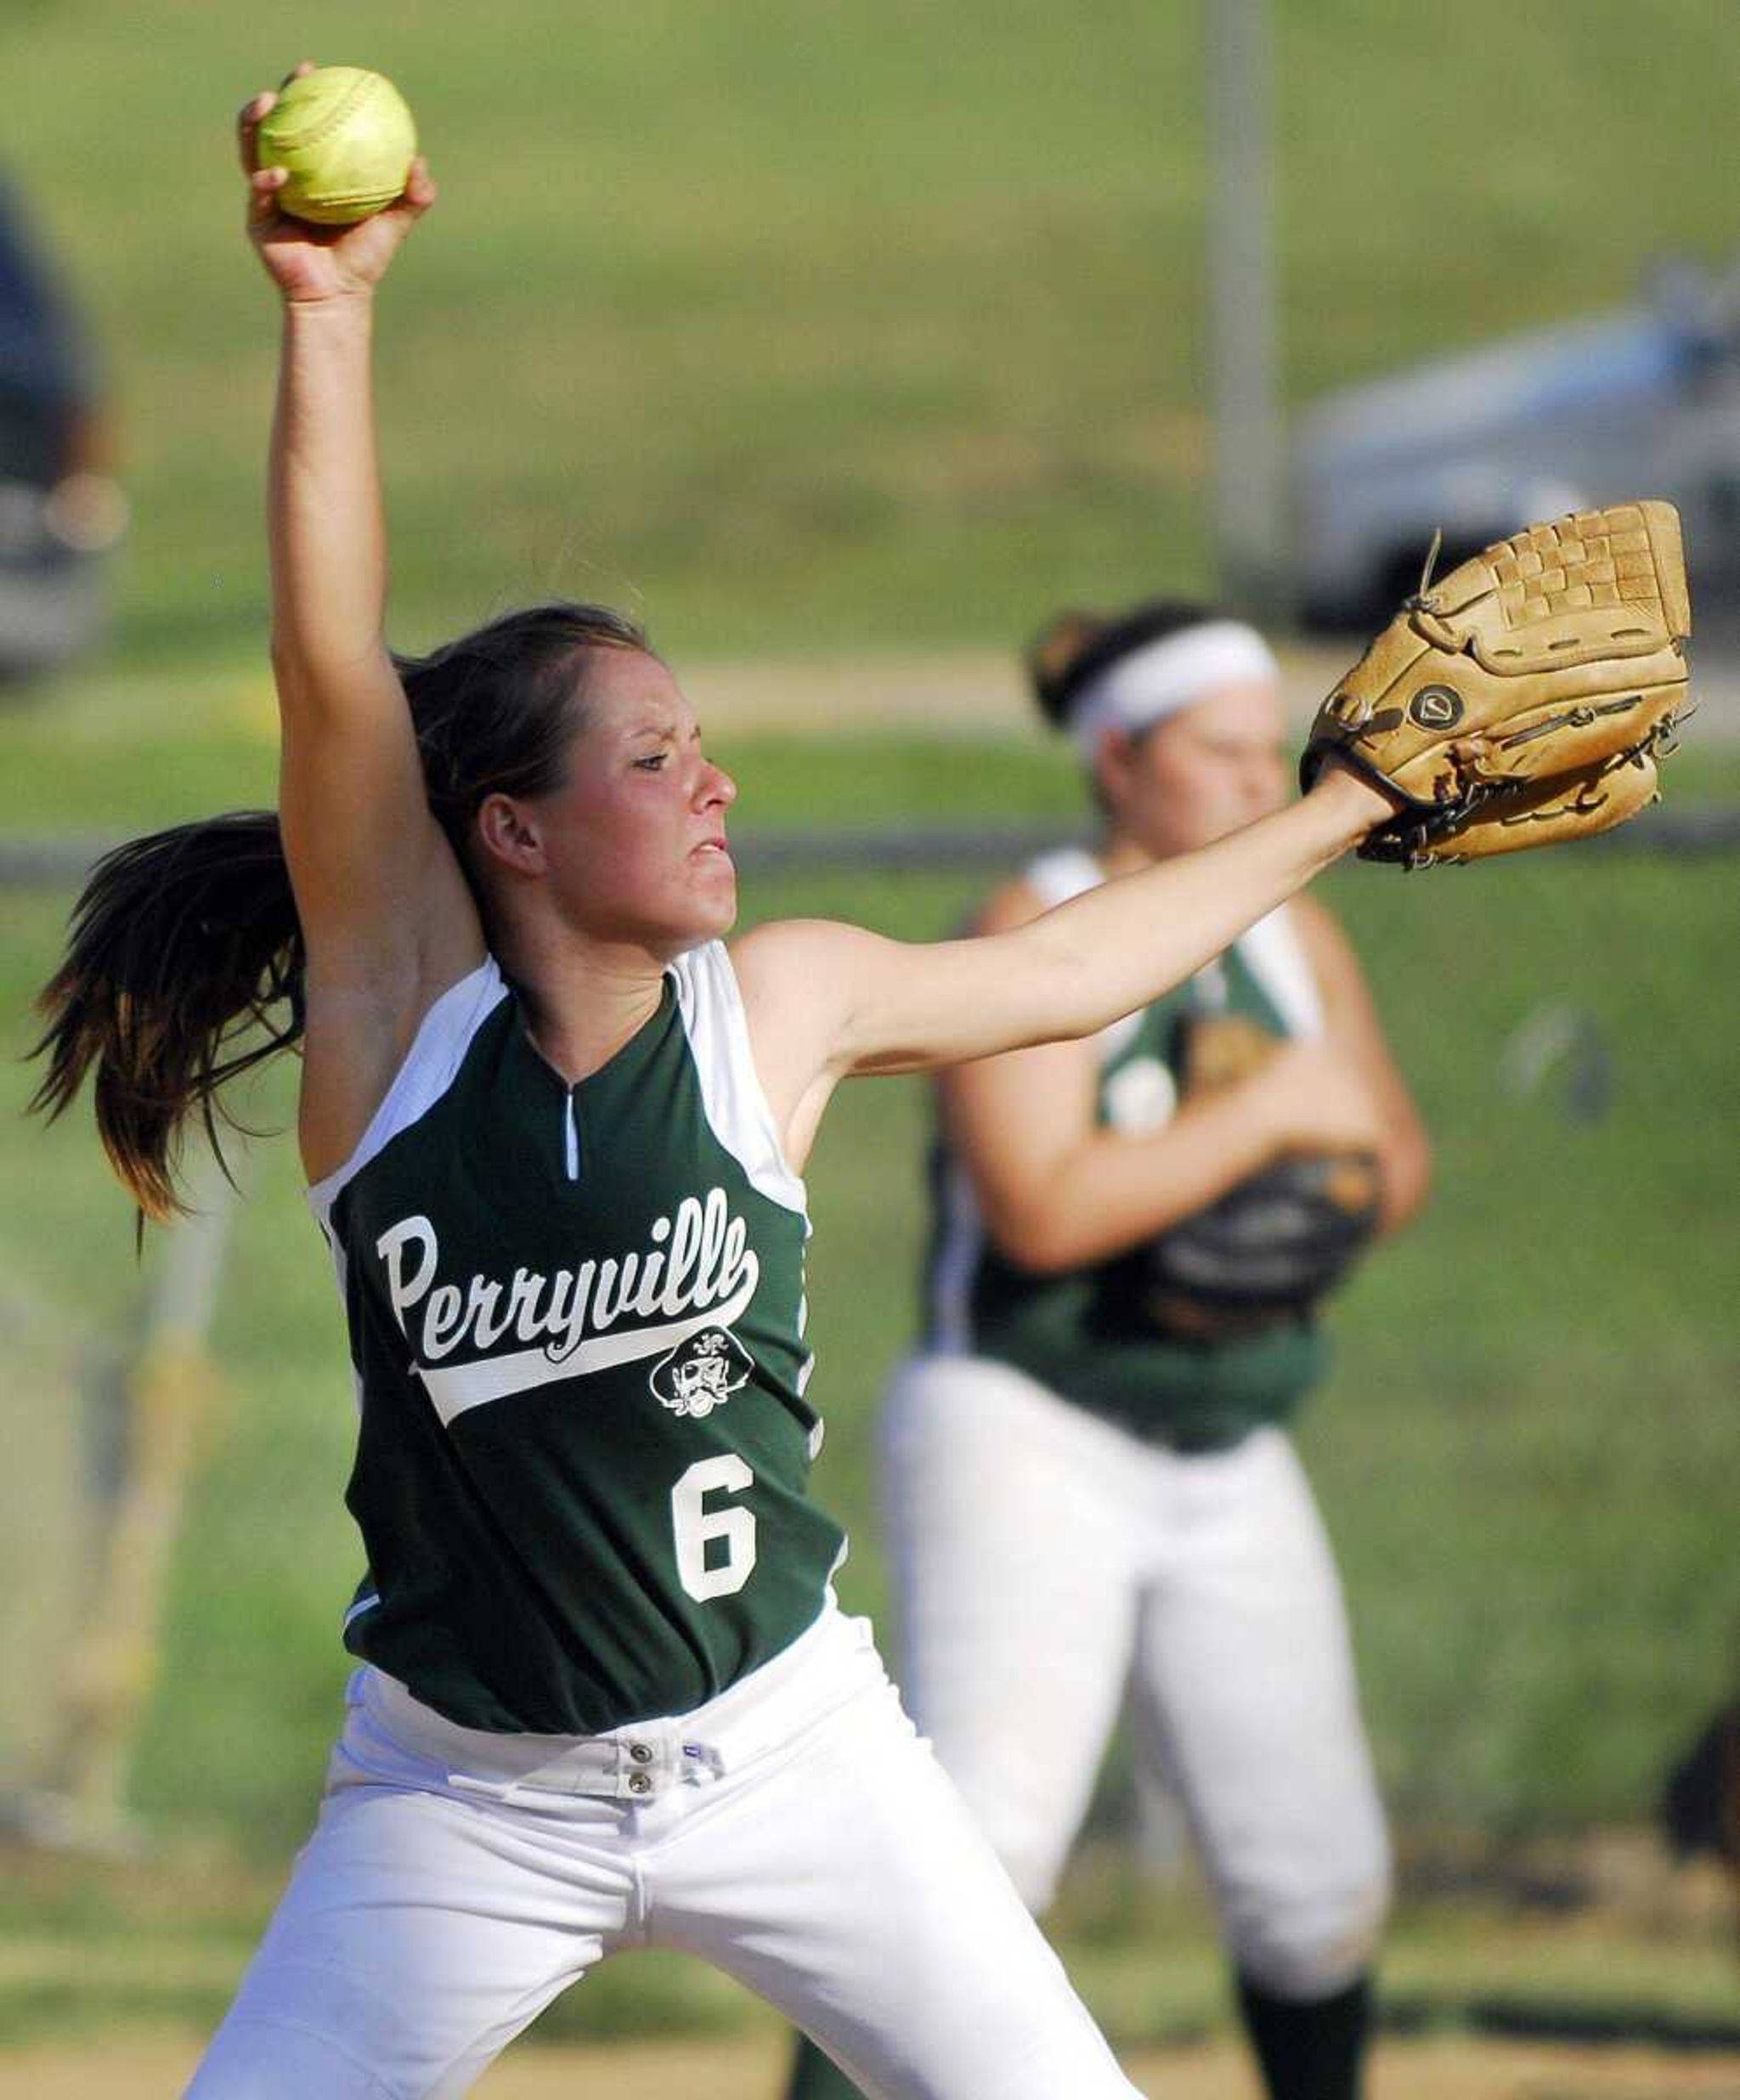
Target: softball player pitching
x=1089, y=1482
x=553, y=1128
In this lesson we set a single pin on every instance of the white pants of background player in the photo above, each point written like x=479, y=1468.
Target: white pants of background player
x=1045, y=1559
x=794, y=1831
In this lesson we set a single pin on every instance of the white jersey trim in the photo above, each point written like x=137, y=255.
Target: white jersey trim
x=712, y=1008
x=1273, y=952
x=1055, y=878
x=431, y=1066
x=1271, y=949
x=1275, y=957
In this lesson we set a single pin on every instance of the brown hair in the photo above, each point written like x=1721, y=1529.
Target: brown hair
x=185, y=962
x=1076, y=647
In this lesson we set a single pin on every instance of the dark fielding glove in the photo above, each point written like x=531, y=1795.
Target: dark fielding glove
x=1525, y=697
x=1270, y=1248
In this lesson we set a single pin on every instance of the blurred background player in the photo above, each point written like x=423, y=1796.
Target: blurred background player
x=1089, y=1482
x=60, y=509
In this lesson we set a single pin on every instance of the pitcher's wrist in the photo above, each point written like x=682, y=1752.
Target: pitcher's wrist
x=1353, y=800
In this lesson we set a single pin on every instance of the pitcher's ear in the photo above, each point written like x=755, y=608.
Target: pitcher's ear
x=509, y=833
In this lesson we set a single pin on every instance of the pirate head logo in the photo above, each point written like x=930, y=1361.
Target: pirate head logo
x=1435, y=707
x=703, y=1371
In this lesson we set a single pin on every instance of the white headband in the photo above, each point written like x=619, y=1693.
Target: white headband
x=1166, y=676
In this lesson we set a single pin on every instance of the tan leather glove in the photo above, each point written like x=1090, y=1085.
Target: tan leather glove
x=1525, y=697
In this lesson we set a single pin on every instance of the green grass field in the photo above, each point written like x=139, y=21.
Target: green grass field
x=1526, y=1451
x=1525, y=1455
x=85, y=1952
x=852, y=325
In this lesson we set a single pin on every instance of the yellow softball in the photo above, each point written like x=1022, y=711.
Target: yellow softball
x=346, y=139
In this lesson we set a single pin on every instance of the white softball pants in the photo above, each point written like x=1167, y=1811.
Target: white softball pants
x=1045, y=1559
x=794, y=1831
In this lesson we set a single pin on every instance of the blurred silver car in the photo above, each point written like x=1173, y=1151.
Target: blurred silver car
x=1644, y=402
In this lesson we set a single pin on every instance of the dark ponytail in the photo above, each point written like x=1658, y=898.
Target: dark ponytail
x=185, y=968
x=185, y=965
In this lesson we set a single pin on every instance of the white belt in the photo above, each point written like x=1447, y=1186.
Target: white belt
x=830, y=1662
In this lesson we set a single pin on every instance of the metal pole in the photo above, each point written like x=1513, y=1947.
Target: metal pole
x=1250, y=492
x=168, y=1391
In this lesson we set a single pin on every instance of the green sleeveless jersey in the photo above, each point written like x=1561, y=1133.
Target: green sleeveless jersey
x=1085, y=1334
x=576, y=1318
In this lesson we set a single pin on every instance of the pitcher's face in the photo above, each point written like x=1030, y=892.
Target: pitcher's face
x=632, y=843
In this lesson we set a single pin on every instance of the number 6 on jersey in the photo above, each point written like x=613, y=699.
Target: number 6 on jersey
x=696, y=1527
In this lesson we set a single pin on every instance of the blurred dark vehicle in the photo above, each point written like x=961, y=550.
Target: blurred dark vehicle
x=1645, y=401
x=61, y=512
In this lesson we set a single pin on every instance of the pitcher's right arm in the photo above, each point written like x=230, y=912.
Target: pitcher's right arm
x=387, y=918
